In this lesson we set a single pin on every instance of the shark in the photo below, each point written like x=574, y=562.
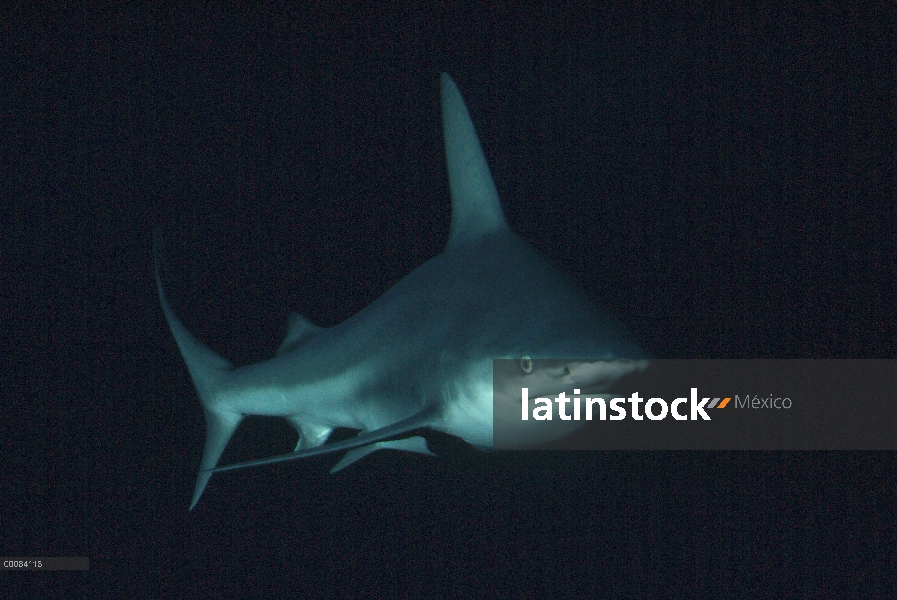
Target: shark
x=424, y=355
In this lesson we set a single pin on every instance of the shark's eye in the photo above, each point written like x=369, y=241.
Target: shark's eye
x=526, y=364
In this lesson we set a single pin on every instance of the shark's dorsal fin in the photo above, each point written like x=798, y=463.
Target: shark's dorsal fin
x=476, y=209
x=298, y=330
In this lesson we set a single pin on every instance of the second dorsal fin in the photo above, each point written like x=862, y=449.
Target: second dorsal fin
x=298, y=330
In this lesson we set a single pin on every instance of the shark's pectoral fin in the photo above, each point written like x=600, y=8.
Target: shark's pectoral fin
x=412, y=444
x=426, y=417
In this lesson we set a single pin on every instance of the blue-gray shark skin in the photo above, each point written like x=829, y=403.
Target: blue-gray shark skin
x=420, y=356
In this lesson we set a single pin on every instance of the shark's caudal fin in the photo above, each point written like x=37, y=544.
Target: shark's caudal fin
x=207, y=369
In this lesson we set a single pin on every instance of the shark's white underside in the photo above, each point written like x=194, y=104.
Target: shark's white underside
x=421, y=355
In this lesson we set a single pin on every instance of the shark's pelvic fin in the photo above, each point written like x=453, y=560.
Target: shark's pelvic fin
x=476, y=209
x=310, y=435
